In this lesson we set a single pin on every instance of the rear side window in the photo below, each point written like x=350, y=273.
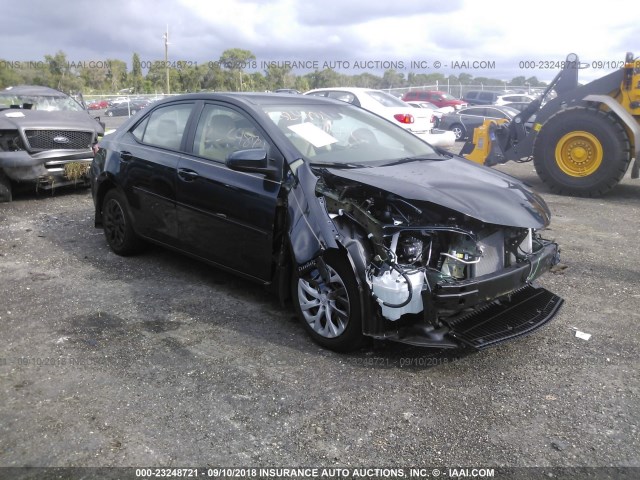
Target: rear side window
x=165, y=126
x=386, y=99
x=474, y=111
x=489, y=96
x=494, y=113
x=344, y=97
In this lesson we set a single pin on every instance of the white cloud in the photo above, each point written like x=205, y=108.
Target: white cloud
x=503, y=31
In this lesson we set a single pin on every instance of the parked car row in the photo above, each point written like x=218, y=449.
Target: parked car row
x=117, y=104
x=468, y=113
x=485, y=97
x=126, y=108
x=438, y=98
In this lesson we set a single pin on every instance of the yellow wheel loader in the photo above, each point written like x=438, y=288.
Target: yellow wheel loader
x=581, y=142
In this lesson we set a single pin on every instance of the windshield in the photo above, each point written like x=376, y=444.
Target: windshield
x=386, y=99
x=344, y=135
x=48, y=103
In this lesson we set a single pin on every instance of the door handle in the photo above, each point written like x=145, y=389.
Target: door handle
x=125, y=156
x=187, y=175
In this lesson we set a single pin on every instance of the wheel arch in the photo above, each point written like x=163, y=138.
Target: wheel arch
x=104, y=185
x=353, y=245
x=628, y=122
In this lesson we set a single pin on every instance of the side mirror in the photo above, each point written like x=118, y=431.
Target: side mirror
x=255, y=160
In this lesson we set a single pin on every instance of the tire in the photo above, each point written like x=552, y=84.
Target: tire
x=109, y=114
x=581, y=152
x=331, y=313
x=116, y=222
x=5, y=188
x=459, y=131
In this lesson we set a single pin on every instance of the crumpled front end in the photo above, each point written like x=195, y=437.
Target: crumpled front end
x=47, y=157
x=433, y=276
x=48, y=148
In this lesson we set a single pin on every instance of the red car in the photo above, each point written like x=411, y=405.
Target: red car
x=98, y=105
x=441, y=99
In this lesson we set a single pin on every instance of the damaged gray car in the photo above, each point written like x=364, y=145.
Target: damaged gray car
x=370, y=231
x=46, y=139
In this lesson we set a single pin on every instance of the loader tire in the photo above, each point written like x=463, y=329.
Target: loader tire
x=582, y=152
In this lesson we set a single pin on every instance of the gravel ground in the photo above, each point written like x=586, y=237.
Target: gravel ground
x=157, y=360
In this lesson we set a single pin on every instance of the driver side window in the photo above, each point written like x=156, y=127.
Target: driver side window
x=222, y=131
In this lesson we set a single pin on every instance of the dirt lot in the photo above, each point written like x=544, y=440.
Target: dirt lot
x=157, y=360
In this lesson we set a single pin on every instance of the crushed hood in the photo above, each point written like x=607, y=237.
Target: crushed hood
x=479, y=192
x=14, y=119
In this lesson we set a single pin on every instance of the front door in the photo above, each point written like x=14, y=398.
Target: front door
x=224, y=215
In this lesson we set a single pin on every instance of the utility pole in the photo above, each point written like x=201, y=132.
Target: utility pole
x=166, y=56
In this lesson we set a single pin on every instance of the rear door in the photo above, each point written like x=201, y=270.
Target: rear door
x=148, y=161
x=225, y=216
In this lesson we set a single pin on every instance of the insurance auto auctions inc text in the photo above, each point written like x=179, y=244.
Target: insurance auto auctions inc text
x=340, y=473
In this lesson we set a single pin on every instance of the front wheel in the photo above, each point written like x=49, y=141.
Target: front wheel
x=116, y=222
x=582, y=152
x=329, y=306
x=109, y=114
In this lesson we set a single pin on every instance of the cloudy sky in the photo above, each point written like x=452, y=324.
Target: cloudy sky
x=498, y=39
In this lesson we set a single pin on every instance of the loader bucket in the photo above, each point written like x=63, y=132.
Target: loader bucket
x=484, y=147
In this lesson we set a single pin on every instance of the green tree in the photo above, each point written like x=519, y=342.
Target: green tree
x=465, y=78
x=367, y=80
x=94, y=79
x=393, y=79
x=116, y=75
x=234, y=61
x=324, y=78
x=136, y=79
x=301, y=84
x=59, y=70
x=278, y=77
x=190, y=77
x=9, y=75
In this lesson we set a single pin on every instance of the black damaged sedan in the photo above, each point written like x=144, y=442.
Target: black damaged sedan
x=370, y=231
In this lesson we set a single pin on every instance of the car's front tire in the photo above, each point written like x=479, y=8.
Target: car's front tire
x=330, y=309
x=116, y=221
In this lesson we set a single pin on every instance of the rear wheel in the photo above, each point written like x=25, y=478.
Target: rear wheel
x=459, y=131
x=582, y=152
x=330, y=307
x=116, y=222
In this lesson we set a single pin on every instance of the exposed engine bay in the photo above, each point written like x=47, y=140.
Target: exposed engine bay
x=430, y=260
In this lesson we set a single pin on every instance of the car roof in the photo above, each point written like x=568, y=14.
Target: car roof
x=252, y=98
x=345, y=89
x=497, y=107
x=33, y=90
